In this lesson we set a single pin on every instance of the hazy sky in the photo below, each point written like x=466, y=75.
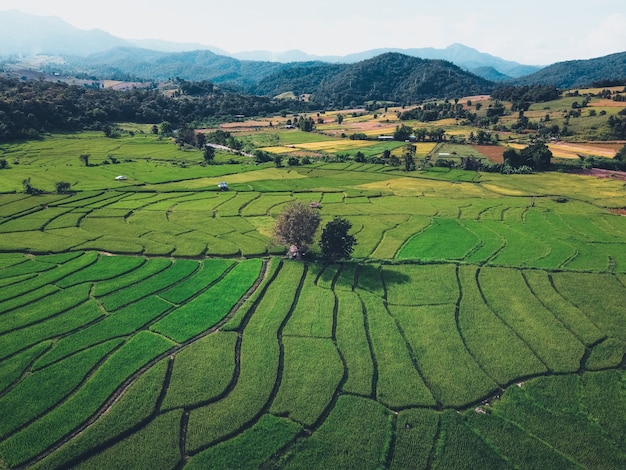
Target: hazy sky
x=531, y=31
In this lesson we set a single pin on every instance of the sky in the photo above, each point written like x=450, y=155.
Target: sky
x=536, y=32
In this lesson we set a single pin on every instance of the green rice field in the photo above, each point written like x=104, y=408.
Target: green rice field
x=154, y=323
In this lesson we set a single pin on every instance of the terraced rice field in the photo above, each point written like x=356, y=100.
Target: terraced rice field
x=481, y=324
x=166, y=372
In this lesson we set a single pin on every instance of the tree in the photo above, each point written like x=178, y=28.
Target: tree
x=402, y=133
x=30, y=189
x=278, y=161
x=409, y=157
x=166, y=128
x=200, y=140
x=84, y=158
x=209, y=153
x=537, y=156
x=621, y=155
x=62, y=187
x=155, y=129
x=336, y=243
x=296, y=226
x=339, y=118
x=3, y=164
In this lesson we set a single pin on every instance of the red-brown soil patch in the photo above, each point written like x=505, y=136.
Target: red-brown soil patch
x=492, y=152
x=599, y=173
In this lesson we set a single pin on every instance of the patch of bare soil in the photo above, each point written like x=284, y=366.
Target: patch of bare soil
x=599, y=173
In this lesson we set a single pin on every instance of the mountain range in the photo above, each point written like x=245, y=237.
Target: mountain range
x=23, y=34
x=399, y=75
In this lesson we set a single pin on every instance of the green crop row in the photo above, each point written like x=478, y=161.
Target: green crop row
x=210, y=271
x=251, y=448
x=313, y=315
x=343, y=440
x=399, y=383
x=451, y=372
x=106, y=267
x=352, y=342
x=179, y=270
x=40, y=391
x=497, y=348
x=509, y=297
x=13, y=368
x=204, y=311
x=42, y=433
x=259, y=359
x=124, y=322
x=57, y=302
x=138, y=403
x=55, y=326
x=202, y=371
x=310, y=377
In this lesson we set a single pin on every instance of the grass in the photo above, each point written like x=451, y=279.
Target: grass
x=607, y=291
x=259, y=366
x=179, y=270
x=399, y=383
x=32, y=440
x=342, y=441
x=211, y=306
x=210, y=271
x=147, y=269
x=42, y=390
x=507, y=295
x=202, y=371
x=499, y=350
x=306, y=389
x=609, y=353
x=156, y=445
x=551, y=409
x=461, y=448
x=452, y=374
x=58, y=302
x=416, y=431
x=251, y=448
x=11, y=370
x=56, y=326
x=134, y=406
x=124, y=322
x=421, y=285
x=352, y=342
x=313, y=315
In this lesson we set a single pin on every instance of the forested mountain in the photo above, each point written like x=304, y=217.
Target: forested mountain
x=398, y=78
x=134, y=63
x=388, y=77
x=465, y=57
x=575, y=73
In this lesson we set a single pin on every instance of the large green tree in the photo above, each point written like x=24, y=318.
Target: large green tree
x=336, y=243
x=296, y=226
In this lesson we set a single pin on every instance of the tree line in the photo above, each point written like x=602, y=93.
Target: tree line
x=30, y=108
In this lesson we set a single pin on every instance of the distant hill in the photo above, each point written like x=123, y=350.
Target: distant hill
x=574, y=73
x=491, y=74
x=398, y=78
x=463, y=56
x=23, y=34
x=388, y=77
x=131, y=63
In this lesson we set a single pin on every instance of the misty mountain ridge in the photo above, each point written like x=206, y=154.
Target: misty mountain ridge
x=98, y=55
x=23, y=34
